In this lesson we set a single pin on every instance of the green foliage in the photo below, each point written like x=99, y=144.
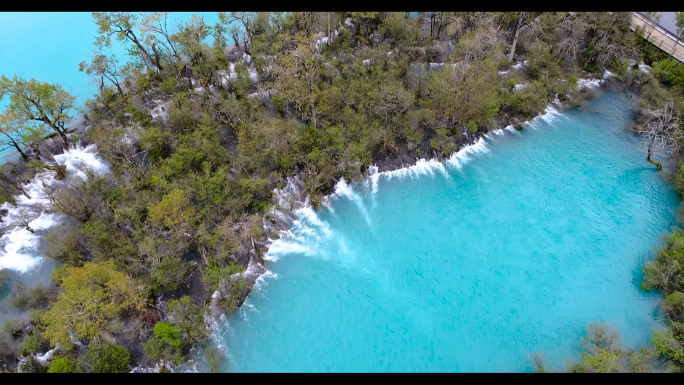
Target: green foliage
x=165, y=345
x=215, y=357
x=679, y=178
x=106, y=358
x=29, y=345
x=189, y=193
x=63, y=365
x=602, y=361
x=213, y=273
x=669, y=71
x=668, y=345
x=31, y=101
x=189, y=318
x=93, y=295
x=679, y=17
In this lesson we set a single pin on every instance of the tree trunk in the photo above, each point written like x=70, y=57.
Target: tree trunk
x=16, y=145
x=23, y=156
x=515, y=41
x=653, y=162
x=148, y=58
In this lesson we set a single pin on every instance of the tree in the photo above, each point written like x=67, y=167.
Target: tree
x=24, y=219
x=12, y=131
x=103, y=67
x=165, y=345
x=189, y=318
x=603, y=351
x=247, y=20
x=157, y=24
x=391, y=102
x=63, y=365
x=663, y=129
x=106, y=358
x=573, y=29
x=611, y=41
x=679, y=17
x=466, y=92
x=93, y=296
x=121, y=26
x=34, y=101
x=522, y=21
x=173, y=211
x=297, y=75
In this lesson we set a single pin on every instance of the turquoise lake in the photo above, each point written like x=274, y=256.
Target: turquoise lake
x=474, y=269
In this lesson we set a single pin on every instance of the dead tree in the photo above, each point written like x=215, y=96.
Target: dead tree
x=663, y=129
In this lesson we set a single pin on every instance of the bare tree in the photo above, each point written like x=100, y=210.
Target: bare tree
x=523, y=20
x=24, y=219
x=573, y=37
x=663, y=128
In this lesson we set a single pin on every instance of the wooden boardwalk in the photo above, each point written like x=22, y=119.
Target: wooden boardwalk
x=659, y=37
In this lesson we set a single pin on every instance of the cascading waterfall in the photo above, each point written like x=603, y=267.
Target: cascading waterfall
x=18, y=244
x=471, y=264
x=306, y=234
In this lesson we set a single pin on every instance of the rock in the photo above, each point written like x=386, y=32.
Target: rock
x=376, y=38
x=232, y=53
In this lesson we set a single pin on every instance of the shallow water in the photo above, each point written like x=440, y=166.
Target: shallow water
x=505, y=251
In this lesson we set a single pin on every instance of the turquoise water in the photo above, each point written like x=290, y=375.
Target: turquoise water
x=473, y=270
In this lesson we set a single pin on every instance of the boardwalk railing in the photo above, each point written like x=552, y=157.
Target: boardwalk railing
x=659, y=36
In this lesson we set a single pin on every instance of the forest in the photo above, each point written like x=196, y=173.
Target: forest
x=201, y=124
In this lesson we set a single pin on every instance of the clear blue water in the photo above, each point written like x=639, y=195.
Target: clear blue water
x=514, y=253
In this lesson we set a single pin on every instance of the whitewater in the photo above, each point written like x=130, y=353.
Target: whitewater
x=18, y=245
x=509, y=247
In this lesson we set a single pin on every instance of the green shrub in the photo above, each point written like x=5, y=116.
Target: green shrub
x=165, y=345
x=106, y=358
x=29, y=346
x=63, y=365
x=215, y=357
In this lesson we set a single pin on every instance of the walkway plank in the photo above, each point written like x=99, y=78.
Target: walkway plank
x=668, y=43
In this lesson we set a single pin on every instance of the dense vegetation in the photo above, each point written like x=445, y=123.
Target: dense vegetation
x=198, y=134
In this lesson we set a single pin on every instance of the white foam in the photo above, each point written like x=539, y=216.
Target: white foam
x=305, y=236
x=77, y=159
x=588, y=83
x=520, y=65
x=160, y=111
x=643, y=67
x=320, y=42
x=462, y=156
x=229, y=76
x=18, y=245
x=519, y=87
x=342, y=189
x=436, y=66
x=422, y=167
x=260, y=282
x=512, y=129
x=373, y=176
x=499, y=132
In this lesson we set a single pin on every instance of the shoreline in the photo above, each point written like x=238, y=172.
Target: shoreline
x=389, y=168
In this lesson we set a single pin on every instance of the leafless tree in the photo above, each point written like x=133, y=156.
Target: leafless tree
x=24, y=218
x=663, y=129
